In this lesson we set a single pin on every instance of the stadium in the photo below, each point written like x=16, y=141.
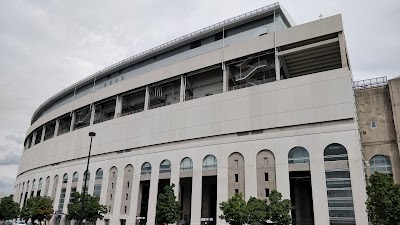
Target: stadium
x=252, y=104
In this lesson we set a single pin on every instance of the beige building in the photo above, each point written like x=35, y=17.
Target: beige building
x=378, y=111
x=252, y=104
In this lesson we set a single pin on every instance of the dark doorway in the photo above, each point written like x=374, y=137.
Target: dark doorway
x=185, y=198
x=209, y=200
x=301, y=198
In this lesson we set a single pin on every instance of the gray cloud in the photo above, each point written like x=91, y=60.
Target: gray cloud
x=6, y=185
x=18, y=138
x=9, y=157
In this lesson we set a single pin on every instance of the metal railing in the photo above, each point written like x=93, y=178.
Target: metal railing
x=370, y=83
x=222, y=24
x=254, y=67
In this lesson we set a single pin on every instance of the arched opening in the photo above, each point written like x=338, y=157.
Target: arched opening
x=46, y=187
x=380, y=164
x=209, y=188
x=126, y=190
x=300, y=186
x=236, y=174
x=185, y=188
x=74, y=186
x=98, y=182
x=338, y=183
x=146, y=168
x=39, y=189
x=165, y=166
x=266, y=182
x=63, y=192
x=75, y=177
x=144, y=192
x=112, y=184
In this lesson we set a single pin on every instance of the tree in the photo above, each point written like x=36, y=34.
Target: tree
x=383, y=203
x=92, y=210
x=8, y=208
x=167, y=209
x=279, y=209
x=258, y=211
x=234, y=211
x=38, y=208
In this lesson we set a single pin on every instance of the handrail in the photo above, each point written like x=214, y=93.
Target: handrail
x=163, y=46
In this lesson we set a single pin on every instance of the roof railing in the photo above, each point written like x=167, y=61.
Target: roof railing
x=370, y=83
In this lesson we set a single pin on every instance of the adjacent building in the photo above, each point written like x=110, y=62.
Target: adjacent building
x=252, y=104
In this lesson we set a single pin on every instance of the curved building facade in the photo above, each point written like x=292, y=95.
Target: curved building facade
x=251, y=104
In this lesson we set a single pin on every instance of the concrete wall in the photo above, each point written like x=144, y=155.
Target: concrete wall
x=374, y=104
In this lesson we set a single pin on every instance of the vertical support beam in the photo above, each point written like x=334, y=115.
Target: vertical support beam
x=56, y=127
x=175, y=178
x=118, y=106
x=225, y=78
x=282, y=181
x=196, y=193
x=146, y=98
x=222, y=189
x=73, y=117
x=92, y=114
x=117, y=198
x=183, y=89
x=343, y=54
x=151, y=213
x=33, y=138
x=319, y=196
x=277, y=67
x=43, y=133
x=134, y=198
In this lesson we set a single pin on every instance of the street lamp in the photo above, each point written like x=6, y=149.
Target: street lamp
x=91, y=135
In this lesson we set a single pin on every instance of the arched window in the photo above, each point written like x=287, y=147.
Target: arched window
x=40, y=182
x=99, y=174
x=33, y=183
x=27, y=184
x=146, y=168
x=381, y=164
x=335, y=152
x=165, y=166
x=298, y=155
x=209, y=162
x=65, y=178
x=186, y=164
x=88, y=175
x=75, y=177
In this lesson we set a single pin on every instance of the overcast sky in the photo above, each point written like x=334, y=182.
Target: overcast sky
x=46, y=46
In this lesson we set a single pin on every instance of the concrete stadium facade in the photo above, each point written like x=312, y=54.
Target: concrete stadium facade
x=252, y=104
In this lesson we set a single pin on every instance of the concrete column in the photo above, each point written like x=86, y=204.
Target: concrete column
x=277, y=67
x=33, y=138
x=225, y=78
x=175, y=180
x=183, y=89
x=79, y=184
x=343, y=54
x=118, y=106
x=67, y=192
x=73, y=117
x=250, y=178
x=319, y=194
x=282, y=181
x=151, y=213
x=56, y=127
x=43, y=133
x=358, y=190
x=146, y=98
x=104, y=186
x=117, y=197
x=134, y=198
x=56, y=196
x=91, y=182
x=196, y=193
x=92, y=114
x=222, y=190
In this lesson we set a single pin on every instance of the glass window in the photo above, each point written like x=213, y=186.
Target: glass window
x=381, y=164
x=165, y=166
x=146, y=168
x=97, y=190
x=88, y=175
x=335, y=152
x=298, y=155
x=99, y=174
x=210, y=163
x=65, y=178
x=186, y=164
x=75, y=177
